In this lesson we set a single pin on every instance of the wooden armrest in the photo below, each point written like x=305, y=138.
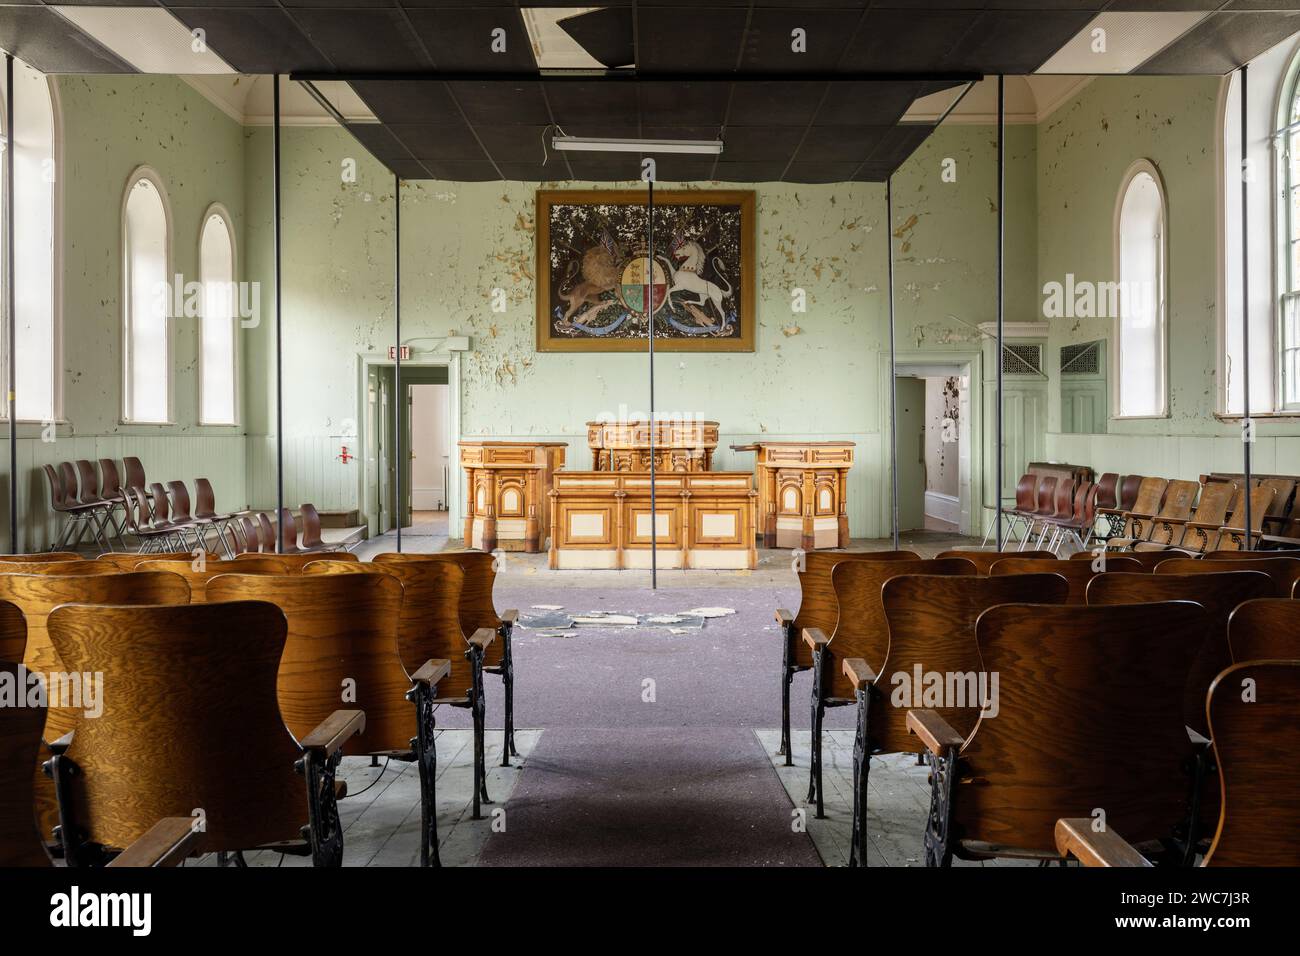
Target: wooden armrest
x=856, y=670
x=57, y=747
x=431, y=671
x=1076, y=838
x=784, y=617
x=933, y=730
x=165, y=843
x=510, y=616
x=334, y=731
x=483, y=637
x=814, y=638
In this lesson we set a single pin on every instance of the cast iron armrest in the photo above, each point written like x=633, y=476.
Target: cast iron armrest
x=814, y=638
x=856, y=670
x=483, y=637
x=784, y=617
x=165, y=843
x=1076, y=837
x=334, y=731
x=431, y=671
x=509, y=617
x=934, y=731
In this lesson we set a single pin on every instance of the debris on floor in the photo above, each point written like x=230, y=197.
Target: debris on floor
x=549, y=619
x=712, y=611
x=548, y=607
x=557, y=633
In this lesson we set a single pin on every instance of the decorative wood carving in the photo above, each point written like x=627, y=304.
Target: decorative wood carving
x=506, y=487
x=680, y=445
x=802, y=493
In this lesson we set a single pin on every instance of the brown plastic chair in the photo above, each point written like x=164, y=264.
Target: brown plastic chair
x=984, y=560
x=253, y=543
x=168, y=743
x=311, y=530
x=860, y=631
x=1076, y=573
x=931, y=622
x=78, y=517
x=1089, y=715
x=1045, y=508
x=134, y=473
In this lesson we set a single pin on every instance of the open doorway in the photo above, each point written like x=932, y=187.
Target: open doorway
x=931, y=459
x=430, y=461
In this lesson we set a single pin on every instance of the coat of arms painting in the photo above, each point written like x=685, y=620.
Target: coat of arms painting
x=603, y=279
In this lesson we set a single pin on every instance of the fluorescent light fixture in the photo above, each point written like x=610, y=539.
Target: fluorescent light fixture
x=595, y=144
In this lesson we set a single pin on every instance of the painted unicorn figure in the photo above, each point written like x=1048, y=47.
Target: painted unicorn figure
x=686, y=276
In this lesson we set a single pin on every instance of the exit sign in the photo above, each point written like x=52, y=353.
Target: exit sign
x=406, y=352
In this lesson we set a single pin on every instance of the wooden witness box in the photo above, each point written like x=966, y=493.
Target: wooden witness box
x=602, y=520
x=802, y=492
x=680, y=445
x=507, y=483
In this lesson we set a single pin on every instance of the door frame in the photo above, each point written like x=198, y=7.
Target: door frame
x=449, y=360
x=967, y=364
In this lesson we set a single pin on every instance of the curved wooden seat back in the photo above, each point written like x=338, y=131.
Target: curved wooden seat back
x=860, y=628
x=191, y=721
x=1150, y=497
x=1232, y=536
x=1201, y=530
x=1129, y=489
x=43, y=557
x=1025, y=488
x=127, y=561
x=984, y=560
x=1255, y=743
x=1167, y=526
x=341, y=651
x=292, y=562
x=1107, y=491
x=1249, y=555
x=20, y=749
x=57, y=567
x=1089, y=716
x=1283, y=489
x=198, y=579
x=13, y=632
x=1265, y=629
x=1218, y=593
x=1146, y=559
x=38, y=594
x=1283, y=571
x=477, y=608
x=1076, y=573
x=931, y=621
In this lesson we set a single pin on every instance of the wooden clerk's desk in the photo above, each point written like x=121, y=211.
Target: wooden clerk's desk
x=802, y=492
x=507, y=484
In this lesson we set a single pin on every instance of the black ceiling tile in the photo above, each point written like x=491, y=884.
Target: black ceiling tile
x=495, y=103
x=356, y=5
x=534, y=173
x=464, y=172
x=261, y=40
x=516, y=144
x=1222, y=42
x=463, y=39
x=599, y=130
x=409, y=101
x=608, y=102
x=607, y=34
x=184, y=4
x=379, y=140
x=893, y=41
x=757, y=144
x=866, y=104
x=819, y=4
x=873, y=173
x=1015, y=42
x=408, y=168
x=899, y=143
x=86, y=3
x=681, y=132
x=49, y=43
x=667, y=103
x=682, y=169
x=731, y=172
x=688, y=38
x=775, y=103
x=769, y=39
x=362, y=40
x=1281, y=5
x=821, y=172
x=439, y=142
x=839, y=144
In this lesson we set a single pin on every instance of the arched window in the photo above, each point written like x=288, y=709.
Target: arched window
x=36, y=288
x=1287, y=140
x=146, y=298
x=217, y=270
x=1140, y=267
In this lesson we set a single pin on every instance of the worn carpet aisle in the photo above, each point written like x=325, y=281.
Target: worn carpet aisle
x=648, y=755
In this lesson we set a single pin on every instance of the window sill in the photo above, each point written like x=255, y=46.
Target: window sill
x=218, y=424
x=1163, y=416
x=128, y=422
x=1288, y=416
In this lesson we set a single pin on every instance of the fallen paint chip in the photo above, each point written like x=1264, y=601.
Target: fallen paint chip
x=557, y=634
x=599, y=618
x=678, y=630
x=547, y=607
x=712, y=611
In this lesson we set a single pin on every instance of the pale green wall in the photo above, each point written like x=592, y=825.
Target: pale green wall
x=110, y=126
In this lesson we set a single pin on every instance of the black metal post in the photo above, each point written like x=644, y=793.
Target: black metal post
x=1002, y=225
x=11, y=300
x=1246, y=424
x=650, y=336
x=279, y=336
x=402, y=406
x=893, y=361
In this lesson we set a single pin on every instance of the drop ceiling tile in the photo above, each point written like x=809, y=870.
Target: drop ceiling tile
x=899, y=143
x=873, y=173
x=867, y=104
x=408, y=168
x=821, y=172
x=516, y=144
x=834, y=144
x=255, y=40
x=731, y=172
x=363, y=40
x=895, y=41
x=410, y=101
x=689, y=104
x=689, y=38
x=769, y=39
x=532, y=173
x=463, y=172
x=464, y=39
x=606, y=34
x=48, y=43
x=757, y=144
x=1222, y=42
x=610, y=102
x=598, y=130
x=1015, y=42
x=681, y=132
x=496, y=103
x=440, y=142
x=774, y=103
x=379, y=141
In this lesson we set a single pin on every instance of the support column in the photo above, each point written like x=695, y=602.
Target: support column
x=11, y=302
x=1247, y=426
x=403, y=405
x=279, y=331
x=1002, y=225
x=893, y=371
